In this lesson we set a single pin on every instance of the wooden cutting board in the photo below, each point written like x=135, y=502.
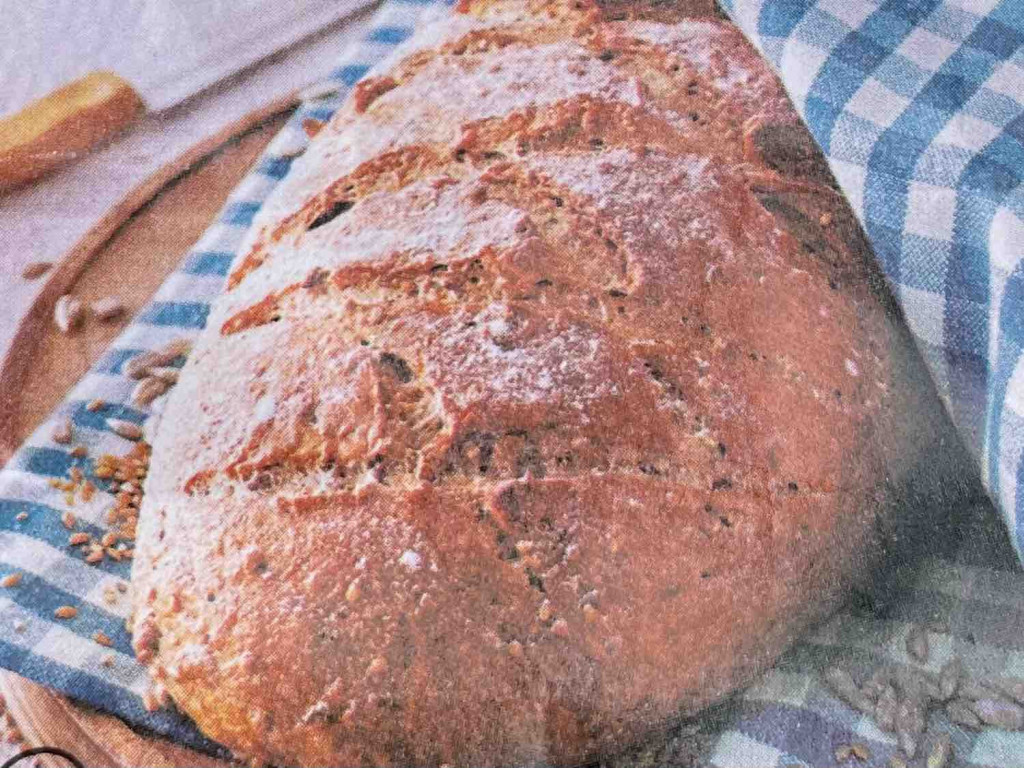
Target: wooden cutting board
x=42, y=366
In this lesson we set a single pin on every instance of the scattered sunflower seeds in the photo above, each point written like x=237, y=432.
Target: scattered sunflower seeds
x=959, y=711
x=876, y=684
x=139, y=366
x=126, y=429
x=949, y=678
x=860, y=751
x=107, y=308
x=1012, y=688
x=1000, y=713
x=885, y=710
x=36, y=269
x=842, y=684
x=909, y=726
x=62, y=432
x=917, y=644
x=148, y=390
x=974, y=689
x=168, y=375
x=68, y=313
x=11, y=580
x=941, y=752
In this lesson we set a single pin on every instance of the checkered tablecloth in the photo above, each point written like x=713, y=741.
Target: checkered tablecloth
x=917, y=105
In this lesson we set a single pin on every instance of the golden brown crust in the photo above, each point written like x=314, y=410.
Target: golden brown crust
x=523, y=425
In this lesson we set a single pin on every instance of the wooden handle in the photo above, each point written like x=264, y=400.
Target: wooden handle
x=63, y=125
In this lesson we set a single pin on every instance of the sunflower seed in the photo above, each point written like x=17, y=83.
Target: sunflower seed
x=68, y=313
x=102, y=639
x=148, y=390
x=11, y=580
x=930, y=686
x=1012, y=687
x=36, y=269
x=974, y=689
x=168, y=375
x=941, y=752
x=876, y=684
x=1000, y=713
x=62, y=432
x=126, y=429
x=917, y=644
x=909, y=725
x=949, y=678
x=107, y=308
x=885, y=710
x=860, y=751
x=842, y=685
x=139, y=366
x=179, y=347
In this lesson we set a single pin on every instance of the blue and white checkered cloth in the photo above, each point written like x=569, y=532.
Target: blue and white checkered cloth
x=918, y=107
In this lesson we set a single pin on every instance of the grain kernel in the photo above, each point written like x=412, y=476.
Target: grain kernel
x=109, y=539
x=66, y=612
x=353, y=592
x=107, y=308
x=62, y=432
x=68, y=519
x=79, y=452
x=78, y=538
x=36, y=269
x=102, y=639
x=126, y=429
x=11, y=580
x=148, y=390
x=21, y=517
x=68, y=313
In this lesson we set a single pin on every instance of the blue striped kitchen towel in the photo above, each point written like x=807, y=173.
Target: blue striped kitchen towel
x=917, y=105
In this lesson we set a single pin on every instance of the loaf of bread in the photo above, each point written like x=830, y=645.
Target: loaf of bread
x=548, y=401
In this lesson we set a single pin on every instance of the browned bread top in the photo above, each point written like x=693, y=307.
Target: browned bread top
x=522, y=425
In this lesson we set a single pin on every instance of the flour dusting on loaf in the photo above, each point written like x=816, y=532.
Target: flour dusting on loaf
x=538, y=410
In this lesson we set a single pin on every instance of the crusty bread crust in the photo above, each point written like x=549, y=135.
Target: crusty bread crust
x=523, y=426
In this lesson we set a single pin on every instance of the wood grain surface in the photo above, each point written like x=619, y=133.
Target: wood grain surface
x=130, y=266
